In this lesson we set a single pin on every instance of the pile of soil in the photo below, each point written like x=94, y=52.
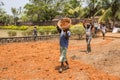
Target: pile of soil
x=64, y=23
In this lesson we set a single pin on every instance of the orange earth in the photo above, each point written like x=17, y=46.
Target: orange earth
x=40, y=60
x=64, y=23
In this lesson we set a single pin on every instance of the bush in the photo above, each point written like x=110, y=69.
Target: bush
x=29, y=32
x=78, y=30
x=24, y=33
x=12, y=27
x=45, y=29
x=54, y=31
x=41, y=31
x=23, y=27
x=12, y=33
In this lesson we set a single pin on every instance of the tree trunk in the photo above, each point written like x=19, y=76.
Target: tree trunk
x=113, y=22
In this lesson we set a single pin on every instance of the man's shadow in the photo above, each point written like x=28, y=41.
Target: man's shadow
x=83, y=50
x=58, y=67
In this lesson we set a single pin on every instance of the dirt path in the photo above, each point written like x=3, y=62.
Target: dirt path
x=39, y=60
x=105, y=54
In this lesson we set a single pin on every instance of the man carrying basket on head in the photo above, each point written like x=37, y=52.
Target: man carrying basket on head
x=63, y=29
x=88, y=27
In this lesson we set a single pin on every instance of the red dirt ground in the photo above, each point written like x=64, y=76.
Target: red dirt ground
x=39, y=60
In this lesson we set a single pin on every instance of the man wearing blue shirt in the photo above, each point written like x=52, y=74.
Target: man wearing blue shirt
x=64, y=40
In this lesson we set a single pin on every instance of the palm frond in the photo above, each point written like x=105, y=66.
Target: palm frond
x=118, y=14
x=106, y=16
x=101, y=11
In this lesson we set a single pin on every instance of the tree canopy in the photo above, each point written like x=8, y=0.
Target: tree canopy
x=46, y=10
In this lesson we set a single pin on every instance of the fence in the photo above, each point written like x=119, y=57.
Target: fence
x=26, y=39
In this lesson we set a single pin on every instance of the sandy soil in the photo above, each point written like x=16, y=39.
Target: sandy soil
x=39, y=60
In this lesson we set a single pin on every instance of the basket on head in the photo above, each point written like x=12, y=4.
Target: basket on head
x=64, y=23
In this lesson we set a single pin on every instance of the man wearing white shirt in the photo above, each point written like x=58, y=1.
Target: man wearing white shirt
x=103, y=29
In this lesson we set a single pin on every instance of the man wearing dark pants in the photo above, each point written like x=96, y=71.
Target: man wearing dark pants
x=88, y=40
x=35, y=33
x=103, y=28
x=88, y=29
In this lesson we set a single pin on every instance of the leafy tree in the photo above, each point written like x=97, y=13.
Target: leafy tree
x=111, y=12
x=91, y=8
x=24, y=18
x=72, y=8
x=40, y=10
x=2, y=12
x=16, y=13
x=4, y=18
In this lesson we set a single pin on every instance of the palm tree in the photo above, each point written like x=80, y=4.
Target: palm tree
x=110, y=11
x=72, y=8
x=91, y=9
x=40, y=10
x=115, y=8
x=16, y=13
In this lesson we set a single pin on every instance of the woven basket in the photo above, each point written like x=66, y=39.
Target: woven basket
x=64, y=23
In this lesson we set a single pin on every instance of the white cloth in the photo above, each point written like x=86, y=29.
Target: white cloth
x=103, y=29
x=89, y=32
x=115, y=30
x=95, y=25
x=98, y=26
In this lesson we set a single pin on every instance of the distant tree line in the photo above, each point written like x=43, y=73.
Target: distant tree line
x=47, y=10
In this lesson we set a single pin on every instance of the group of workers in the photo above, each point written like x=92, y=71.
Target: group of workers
x=64, y=40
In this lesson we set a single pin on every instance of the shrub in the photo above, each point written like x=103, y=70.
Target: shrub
x=14, y=27
x=29, y=32
x=45, y=29
x=54, y=31
x=23, y=27
x=41, y=31
x=24, y=33
x=12, y=33
x=78, y=30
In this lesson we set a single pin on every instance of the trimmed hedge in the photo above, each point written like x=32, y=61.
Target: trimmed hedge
x=44, y=30
x=14, y=27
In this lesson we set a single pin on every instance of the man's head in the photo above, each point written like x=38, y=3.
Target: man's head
x=88, y=26
x=34, y=26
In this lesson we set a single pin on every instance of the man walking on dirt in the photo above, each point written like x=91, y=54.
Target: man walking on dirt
x=88, y=27
x=35, y=33
x=103, y=29
x=64, y=40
